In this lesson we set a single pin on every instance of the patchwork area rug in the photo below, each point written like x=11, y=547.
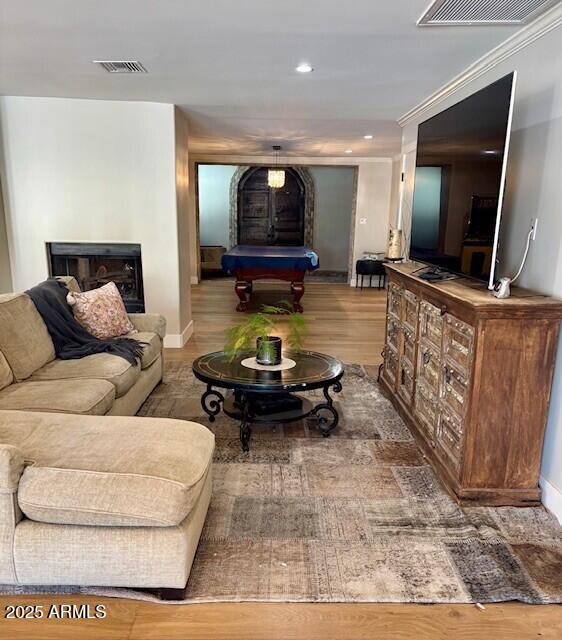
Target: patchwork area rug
x=357, y=517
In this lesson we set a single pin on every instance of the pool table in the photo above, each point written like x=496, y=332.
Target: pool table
x=253, y=262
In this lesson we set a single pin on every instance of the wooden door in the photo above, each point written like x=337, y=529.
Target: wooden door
x=254, y=208
x=288, y=212
x=270, y=216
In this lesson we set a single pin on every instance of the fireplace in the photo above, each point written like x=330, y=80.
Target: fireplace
x=94, y=265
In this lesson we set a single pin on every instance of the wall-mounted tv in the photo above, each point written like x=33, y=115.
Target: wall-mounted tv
x=459, y=183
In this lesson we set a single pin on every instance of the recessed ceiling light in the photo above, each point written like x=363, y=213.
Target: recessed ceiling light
x=490, y=152
x=368, y=137
x=304, y=67
x=349, y=150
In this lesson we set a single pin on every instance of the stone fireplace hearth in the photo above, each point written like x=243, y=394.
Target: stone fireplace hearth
x=95, y=264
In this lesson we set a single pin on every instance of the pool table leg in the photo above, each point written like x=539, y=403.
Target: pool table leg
x=242, y=288
x=297, y=289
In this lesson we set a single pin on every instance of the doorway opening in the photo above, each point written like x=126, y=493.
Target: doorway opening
x=315, y=208
x=266, y=216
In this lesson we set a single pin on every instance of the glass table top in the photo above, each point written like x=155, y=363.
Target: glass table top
x=313, y=370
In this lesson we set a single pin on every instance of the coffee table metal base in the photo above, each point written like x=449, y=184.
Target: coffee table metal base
x=242, y=406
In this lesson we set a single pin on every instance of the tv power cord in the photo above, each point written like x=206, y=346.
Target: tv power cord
x=502, y=288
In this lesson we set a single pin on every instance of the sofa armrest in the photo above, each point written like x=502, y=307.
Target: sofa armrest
x=11, y=467
x=149, y=322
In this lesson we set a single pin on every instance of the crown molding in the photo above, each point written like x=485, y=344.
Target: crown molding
x=266, y=160
x=523, y=38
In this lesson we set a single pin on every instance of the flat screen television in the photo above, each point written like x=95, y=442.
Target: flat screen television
x=459, y=183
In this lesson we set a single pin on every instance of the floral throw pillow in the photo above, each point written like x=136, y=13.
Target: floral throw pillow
x=101, y=311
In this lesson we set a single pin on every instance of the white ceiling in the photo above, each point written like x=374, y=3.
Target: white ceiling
x=230, y=64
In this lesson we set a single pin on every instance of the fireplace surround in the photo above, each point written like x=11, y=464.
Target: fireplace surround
x=96, y=264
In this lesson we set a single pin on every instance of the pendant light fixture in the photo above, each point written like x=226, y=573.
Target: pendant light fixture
x=276, y=176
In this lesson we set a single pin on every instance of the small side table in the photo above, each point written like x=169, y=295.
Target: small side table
x=370, y=268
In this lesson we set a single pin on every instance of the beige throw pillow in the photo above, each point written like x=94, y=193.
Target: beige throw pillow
x=101, y=311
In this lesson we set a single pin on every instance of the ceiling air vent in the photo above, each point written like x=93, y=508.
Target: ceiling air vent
x=121, y=66
x=483, y=12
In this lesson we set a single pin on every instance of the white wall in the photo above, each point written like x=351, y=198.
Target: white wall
x=395, y=189
x=374, y=182
x=534, y=189
x=5, y=270
x=92, y=171
x=182, y=207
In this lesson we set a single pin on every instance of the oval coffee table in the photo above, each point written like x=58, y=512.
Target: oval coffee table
x=269, y=397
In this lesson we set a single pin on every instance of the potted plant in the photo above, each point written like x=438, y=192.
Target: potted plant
x=256, y=332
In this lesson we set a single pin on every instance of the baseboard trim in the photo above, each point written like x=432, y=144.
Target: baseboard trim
x=551, y=498
x=178, y=340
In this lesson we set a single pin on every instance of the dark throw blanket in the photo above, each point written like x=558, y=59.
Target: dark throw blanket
x=70, y=338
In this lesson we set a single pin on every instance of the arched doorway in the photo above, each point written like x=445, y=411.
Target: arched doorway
x=270, y=216
x=306, y=179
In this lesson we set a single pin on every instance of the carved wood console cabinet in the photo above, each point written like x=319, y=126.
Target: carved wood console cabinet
x=471, y=375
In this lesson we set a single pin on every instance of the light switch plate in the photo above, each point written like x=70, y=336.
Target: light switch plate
x=362, y=220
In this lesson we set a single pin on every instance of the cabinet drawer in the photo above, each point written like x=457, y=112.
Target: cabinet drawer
x=458, y=340
x=405, y=383
x=431, y=323
x=395, y=300
x=449, y=437
x=429, y=365
x=453, y=390
x=425, y=410
x=390, y=369
x=392, y=332
x=410, y=311
x=408, y=345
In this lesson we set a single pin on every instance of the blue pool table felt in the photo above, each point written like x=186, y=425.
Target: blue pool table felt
x=244, y=255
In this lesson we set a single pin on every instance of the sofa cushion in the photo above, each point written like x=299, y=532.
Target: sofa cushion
x=99, y=366
x=152, y=347
x=6, y=375
x=24, y=339
x=108, y=471
x=93, y=397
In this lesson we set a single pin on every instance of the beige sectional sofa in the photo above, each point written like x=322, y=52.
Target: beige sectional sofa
x=32, y=379
x=101, y=501
x=89, y=496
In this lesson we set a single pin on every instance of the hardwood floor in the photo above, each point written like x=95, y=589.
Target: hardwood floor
x=350, y=325
x=128, y=620
x=344, y=322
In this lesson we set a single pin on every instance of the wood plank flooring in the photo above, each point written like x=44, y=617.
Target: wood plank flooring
x=348, y=324
x=344, y=322
x=128, y=620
